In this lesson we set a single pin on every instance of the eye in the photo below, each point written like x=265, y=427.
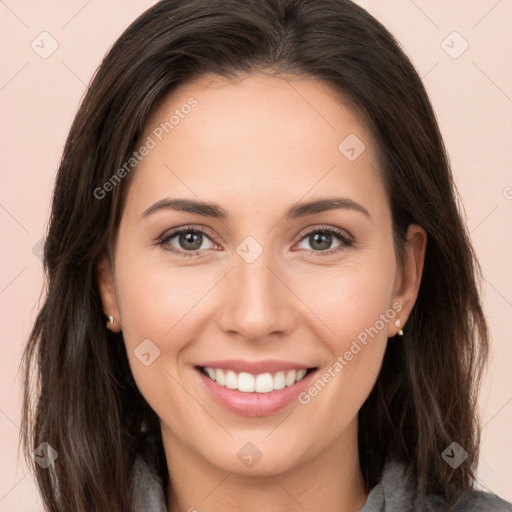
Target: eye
x=187, y=241
x=321, y=240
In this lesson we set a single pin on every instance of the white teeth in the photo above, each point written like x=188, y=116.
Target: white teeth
x=248, y=383
x=290, y=377
x=219, y=377
x=245, y=382
x=279, y=380
x=300, y=375
x=264, y=383
x=231, y=379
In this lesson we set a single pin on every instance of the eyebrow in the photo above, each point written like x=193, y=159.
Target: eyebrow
x=217, y=212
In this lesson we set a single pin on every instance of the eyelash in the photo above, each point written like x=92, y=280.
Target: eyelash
x=346, y=241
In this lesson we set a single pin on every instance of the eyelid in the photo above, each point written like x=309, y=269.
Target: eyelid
x=325, y=228
x=188, y=227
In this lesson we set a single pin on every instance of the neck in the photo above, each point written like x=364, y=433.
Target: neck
x=331, y=480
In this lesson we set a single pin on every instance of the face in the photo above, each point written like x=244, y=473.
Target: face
x=256, y=319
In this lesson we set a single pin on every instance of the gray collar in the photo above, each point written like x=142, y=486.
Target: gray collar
x=396, y=492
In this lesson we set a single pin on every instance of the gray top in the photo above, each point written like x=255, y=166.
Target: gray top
x=396, y=492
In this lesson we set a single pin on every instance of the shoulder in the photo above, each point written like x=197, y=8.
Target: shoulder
x=468, y=501
x=397, y=492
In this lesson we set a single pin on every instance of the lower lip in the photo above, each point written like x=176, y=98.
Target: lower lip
x=255, y=404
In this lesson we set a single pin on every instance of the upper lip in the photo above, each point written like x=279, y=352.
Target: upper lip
x=254, y=367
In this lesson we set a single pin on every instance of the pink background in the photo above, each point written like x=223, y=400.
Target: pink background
x=472, y=96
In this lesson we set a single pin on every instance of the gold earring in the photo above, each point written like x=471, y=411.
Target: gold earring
x=398, y=323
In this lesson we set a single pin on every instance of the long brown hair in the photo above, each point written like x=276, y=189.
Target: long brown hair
x=79, y=393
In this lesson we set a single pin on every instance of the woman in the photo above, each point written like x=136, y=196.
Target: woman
x=256, y=198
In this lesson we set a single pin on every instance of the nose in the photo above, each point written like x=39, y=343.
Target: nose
x=256, y=302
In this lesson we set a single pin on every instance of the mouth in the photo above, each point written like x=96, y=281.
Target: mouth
x=261, y=383
x=255, y=394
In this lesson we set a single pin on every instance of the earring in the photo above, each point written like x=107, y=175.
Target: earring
x=398, y=323
x=110, y=320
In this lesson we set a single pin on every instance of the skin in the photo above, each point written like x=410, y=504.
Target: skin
x=256, y=147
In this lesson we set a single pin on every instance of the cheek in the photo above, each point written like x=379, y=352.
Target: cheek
x=355, y=311
x=159, y=308
x=351, y=298
x=157, y=300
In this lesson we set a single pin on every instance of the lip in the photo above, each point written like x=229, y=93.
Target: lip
x=254, y=367
x=255, y=404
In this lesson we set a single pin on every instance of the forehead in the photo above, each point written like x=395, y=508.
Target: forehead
x=255, y=137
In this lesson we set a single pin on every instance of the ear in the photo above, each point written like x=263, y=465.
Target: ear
x=106, y=286
x=408, y=279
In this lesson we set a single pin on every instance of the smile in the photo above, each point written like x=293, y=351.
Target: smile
x=249, y=383
x=254, y=389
